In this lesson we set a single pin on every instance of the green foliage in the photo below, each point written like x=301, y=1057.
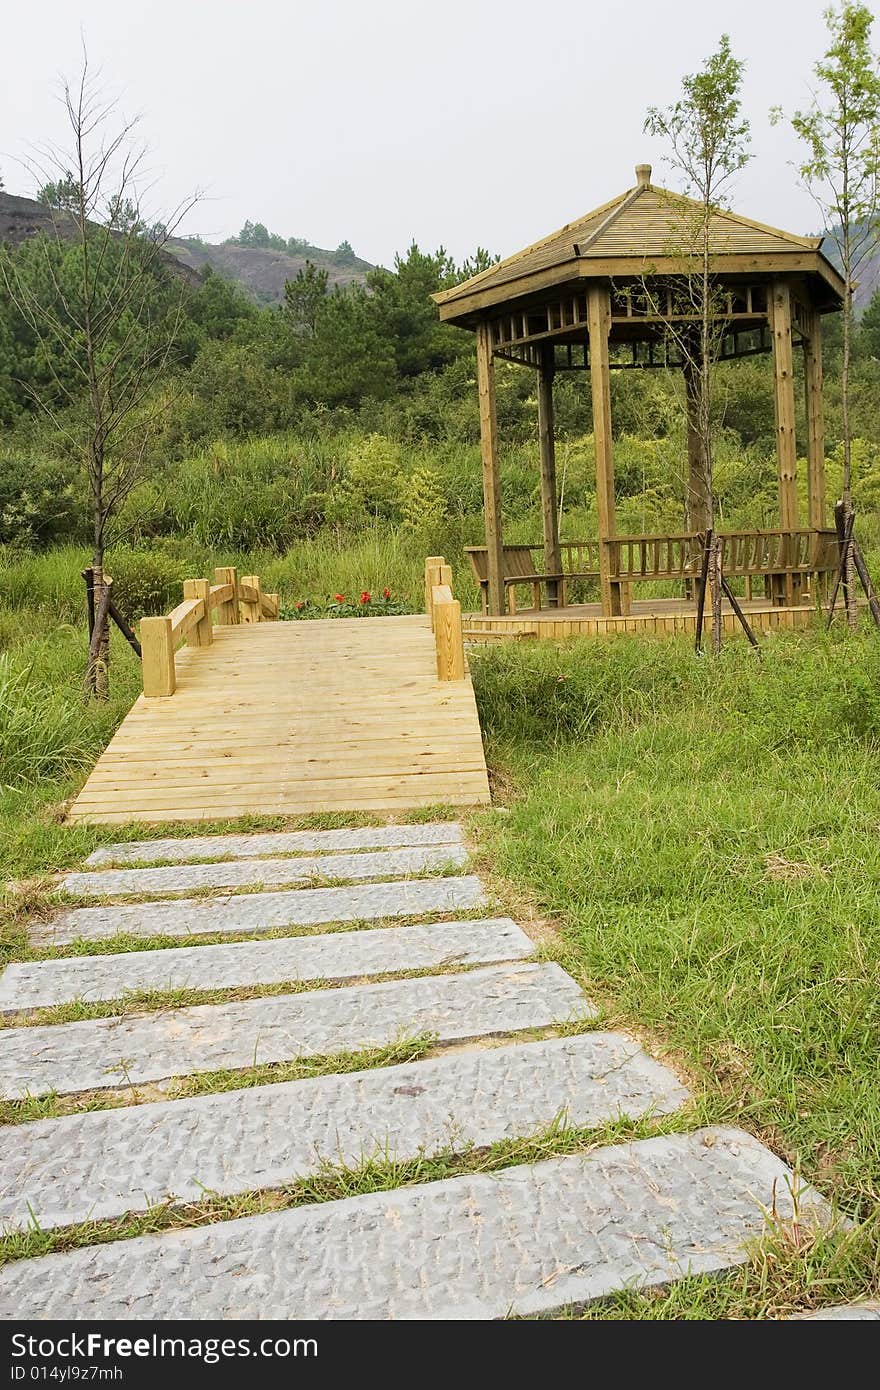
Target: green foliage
x=221, y=310
x=347, y=358
x=423, y=504
x=366, y=605
x=304, y=297
x=41, y=501
x=62, y=193
x=406, y=315
x=146, y=581
x=706, y=131
x=47, y=732
x=841, y=130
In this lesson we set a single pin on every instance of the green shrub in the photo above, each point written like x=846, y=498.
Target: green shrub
x=145, y=581
x=42, y=501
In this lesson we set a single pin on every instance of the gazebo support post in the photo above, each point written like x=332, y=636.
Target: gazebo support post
x=491, y=474
x=549, y=502
x=599, y=318
x=813, y=391
x=779, y=314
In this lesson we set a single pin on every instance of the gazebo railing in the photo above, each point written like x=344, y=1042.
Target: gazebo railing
x=744, y=554
x=775, y=556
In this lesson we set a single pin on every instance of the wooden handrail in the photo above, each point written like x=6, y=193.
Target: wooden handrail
x=444, y=613
x=191, y=621
x=185, y=616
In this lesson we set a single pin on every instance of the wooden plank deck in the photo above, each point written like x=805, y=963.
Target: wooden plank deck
x=664, y=617
x=292, y=718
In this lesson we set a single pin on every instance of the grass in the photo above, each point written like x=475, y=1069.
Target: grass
x=703, y=835
x=791, y=1268
x=782, y=1277
x=706, y=834
x=332, y=1182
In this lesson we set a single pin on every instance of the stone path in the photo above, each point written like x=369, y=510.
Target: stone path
x=270, y=1135
x=527, y=1239
x=844, y=1312
x=333, y=956
x=247, y=873
x=260, y=912
x=272, y=842
x=69, y=1057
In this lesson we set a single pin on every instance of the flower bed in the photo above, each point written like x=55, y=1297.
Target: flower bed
x=366, y=605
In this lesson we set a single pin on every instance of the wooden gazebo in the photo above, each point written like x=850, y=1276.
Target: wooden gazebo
x=577, y=301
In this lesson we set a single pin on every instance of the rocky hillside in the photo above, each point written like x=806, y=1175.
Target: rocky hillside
x=261, y=272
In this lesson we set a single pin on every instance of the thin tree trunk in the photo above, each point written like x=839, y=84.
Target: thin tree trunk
x=849, y=589
x=706, y=309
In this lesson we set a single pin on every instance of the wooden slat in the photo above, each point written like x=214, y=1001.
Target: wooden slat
x=292, y=718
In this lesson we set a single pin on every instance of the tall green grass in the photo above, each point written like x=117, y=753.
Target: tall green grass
x=707, y=834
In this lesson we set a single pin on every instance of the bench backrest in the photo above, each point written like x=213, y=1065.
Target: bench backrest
x=516, y=559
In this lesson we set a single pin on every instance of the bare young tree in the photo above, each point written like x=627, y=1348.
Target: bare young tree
x=104, y=312
x=841, y=130
x=708, y=140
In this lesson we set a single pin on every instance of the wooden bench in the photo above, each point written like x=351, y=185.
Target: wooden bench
x=519, y=568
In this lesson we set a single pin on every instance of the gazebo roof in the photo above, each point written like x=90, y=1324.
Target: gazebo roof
x=636, y=234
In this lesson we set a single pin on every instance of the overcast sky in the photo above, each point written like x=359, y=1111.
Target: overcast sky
x=382, y=121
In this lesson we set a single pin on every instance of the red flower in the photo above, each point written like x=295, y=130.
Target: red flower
x=340, y=598
x=386, y=593
x=300, y=607
x=366, y=597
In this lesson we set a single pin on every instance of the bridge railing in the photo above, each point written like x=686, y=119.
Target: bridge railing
x=233, y=600
x=444, y=612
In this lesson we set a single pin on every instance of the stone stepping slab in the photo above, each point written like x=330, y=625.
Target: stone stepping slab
x=258, y=912
x=249, y=873
x=525, y=1240
x=334, y=956
x=105, y=1052
x=266, y=1136
x=844, y=1312
x=188, y=851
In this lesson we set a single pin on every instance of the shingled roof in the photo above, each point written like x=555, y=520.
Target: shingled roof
x=642, y=225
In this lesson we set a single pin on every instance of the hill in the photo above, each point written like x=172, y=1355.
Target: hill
x=262, y=272
x=21, y=218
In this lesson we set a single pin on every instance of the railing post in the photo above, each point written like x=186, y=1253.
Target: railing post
x=448, y=634
x=432, y=578
x=227, y=613
x=201, y=635
x=157, y=648
x=274, y=603
x=250, y=608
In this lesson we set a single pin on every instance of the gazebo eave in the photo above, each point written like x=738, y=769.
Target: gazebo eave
x=826, y=286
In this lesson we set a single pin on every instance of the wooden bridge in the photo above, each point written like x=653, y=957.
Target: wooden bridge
x=258, y=717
